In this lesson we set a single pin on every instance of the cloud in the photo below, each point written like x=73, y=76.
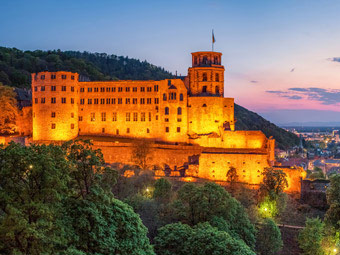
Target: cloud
x=293, y=69
x=254, y=81
x=336, y=59
x=325, y=96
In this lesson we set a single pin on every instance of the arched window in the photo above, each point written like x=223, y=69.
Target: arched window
x=204, y=105
x=181, y=97
x=166, y=111
x=164, y=97
x=205, y=77
x=179, y=111
x=217, y=77
x=217, y=90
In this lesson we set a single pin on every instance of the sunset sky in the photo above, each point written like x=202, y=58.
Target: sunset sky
x=282, y=58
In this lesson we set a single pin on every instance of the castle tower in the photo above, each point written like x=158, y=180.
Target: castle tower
x=55, y=105
x=206, y=76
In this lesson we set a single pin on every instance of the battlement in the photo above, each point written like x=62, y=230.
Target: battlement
x=206, y=59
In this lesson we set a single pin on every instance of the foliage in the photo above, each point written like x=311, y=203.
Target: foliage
x=180, y=239
x=16, y=66
x=268, y=239
x=248, y=120
x=316, y=174
x=232, y=176
x=141, y=154
x=332, y=217
x=162, y=190
x=8, y=110
x=197, y=204
x=33, y=182
x=310, y=238
x=274, y=182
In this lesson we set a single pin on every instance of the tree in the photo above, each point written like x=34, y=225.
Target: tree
x=197, y=204
x=232, y=177
x=141, y=154
x=33, y=182
x=310, y=238
x=332, y=217
x=162, y=190
x=8, y=109
x=100, y=224
x=268, y=239
x=180, y=239
x=274, y=182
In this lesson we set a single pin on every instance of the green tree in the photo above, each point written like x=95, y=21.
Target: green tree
x=310, y=238
x=232, y=177
x=141, y=154
x=33, y=182
x=332, y=217
x=274, y=182
x=162, y=190
x=8, y=109
x=268, y=239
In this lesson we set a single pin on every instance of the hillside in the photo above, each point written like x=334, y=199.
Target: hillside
x=248, y=120
x=16, y=66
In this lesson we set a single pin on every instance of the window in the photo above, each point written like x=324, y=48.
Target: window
x=217, y=77
x=72, y=126
x=134, y=100
x=36, y=100
x=178, y=129
x=120, y=101
x=93, y=116
x=35, y=88
x=52, y=114
x=142, y=89
x=95, y=89
x=204, y=105
x=164, y=97
x=72, y=100
x=72, y=77
x=172, y=96
x=114, y=116
x=80, y=118
x=167, y=129
x=156, y=117
x=127, y=116
x=63, y=88
x=113, y=89
x=82, y=101
x=102, y=101
x=148, y=101
x=204, y=77
x=42, y=77
x=166, y=111
x=142, y=116
x=205, y=60
x=204, y=89
x=179, y=111
x=102, y=89
x=134, y=89
x=95, y=101
x=179, y=119
x=108, y=100
x=195, y=60
x=181, y=97
x=103, y=130
x=117, y=131
x=53, y=76
x=135, y=116
x=108, y=89
x=149, y=116
x=53, y=100
x=63, y=76
x=155, y=88
x=120, y=89
x=72, y=89
x=149, y=89
x=42, y=100
x=147, y=130
x=127, y=89
x=166, y=119
x=113, y=101
x=128, y=130
x=156, y=100
x=63, y=100
x=53, y=126
x=217, y=90
x=53, y=88
x=127, y=100
x=89, y=89
x=82, y=89
x=42, y=88
x=89, y=101
x=142, y=101
x=103, y=116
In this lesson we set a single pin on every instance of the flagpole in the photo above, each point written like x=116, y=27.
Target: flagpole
x=212, y=40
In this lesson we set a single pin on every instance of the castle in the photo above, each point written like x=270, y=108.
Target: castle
x=190, y=122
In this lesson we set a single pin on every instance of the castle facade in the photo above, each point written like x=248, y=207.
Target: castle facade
x=190, y=115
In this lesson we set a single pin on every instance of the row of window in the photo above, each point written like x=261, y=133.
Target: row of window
x=120, y=89
x=53, y=77
x=53, y=88
x=53, y=100
x=205, y=77
x=119, y=101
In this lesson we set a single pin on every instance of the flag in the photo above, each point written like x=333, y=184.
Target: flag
x=213, y=37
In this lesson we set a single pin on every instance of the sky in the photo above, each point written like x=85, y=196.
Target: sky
x=282, y=57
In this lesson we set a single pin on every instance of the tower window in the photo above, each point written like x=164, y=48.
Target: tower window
x=204, y=89
x=217, y=77
x=204, y=77
x=205, y=60
x=195, y=60
x=166, y=111
x=217, y=90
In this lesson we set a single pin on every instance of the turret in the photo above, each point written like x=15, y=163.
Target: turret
x=55, y=105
